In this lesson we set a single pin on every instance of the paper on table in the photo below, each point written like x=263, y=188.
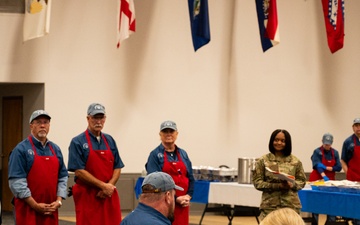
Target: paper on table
x=282, y=176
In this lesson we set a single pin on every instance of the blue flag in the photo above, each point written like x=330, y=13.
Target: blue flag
x=199, y=21
x=268, y=23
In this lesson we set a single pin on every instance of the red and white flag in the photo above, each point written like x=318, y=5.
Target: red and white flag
x=126, y=20
x=334, y=13
x=36, y=19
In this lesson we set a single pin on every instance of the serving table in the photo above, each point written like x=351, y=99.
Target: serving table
x=330, y=203
x=231, y=198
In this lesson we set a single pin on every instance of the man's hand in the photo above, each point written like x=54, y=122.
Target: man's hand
x=55, y=205
x=45, y=209
x=183, y=200
x=106, y=191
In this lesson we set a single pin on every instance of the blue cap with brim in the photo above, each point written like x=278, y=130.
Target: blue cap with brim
x=161, y=182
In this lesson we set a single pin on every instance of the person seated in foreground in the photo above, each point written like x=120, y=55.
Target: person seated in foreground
x=283, y=216
x=156, y=202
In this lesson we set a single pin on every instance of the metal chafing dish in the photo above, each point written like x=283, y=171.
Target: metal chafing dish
x=208, y=173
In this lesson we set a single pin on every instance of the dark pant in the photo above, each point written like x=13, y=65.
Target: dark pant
x=328, y=218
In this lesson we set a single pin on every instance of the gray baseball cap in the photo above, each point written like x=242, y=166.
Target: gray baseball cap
x=168, y=124
x=161, y=182
x=327, y=139
x=38, y=113
x=356, y=121
x=96, y=108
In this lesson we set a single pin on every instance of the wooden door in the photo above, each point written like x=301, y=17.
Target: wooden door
x=12, y=120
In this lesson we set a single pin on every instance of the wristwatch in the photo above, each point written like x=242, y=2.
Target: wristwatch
x=60, y=203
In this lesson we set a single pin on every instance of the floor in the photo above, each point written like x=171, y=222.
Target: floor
x=237, y=220
x=8, y=219
x=209, y=219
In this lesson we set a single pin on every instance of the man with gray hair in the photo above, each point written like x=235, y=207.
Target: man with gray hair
x=95, y=159
x=37, y=175
x=156, y=202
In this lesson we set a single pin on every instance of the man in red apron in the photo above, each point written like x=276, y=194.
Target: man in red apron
x=37, y=175
x=326, y=162
x=171, y=159
x=95, y=159
x=350, y=156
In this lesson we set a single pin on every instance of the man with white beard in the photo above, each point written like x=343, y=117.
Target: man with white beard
x=37, y=175
x=95, y=159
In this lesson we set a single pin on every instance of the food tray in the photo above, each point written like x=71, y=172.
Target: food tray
x=328, y=188
x=215, y=174
x=222, y=172
x=228, y=173
x=350, y=190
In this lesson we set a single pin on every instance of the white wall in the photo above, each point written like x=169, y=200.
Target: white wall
x=227, y=97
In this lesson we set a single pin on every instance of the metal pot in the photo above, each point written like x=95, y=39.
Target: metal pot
x=246, y=166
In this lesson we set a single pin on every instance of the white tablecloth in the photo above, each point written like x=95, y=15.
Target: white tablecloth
x=233, y=193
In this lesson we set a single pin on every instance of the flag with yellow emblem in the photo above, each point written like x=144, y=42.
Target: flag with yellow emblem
x=36, y=19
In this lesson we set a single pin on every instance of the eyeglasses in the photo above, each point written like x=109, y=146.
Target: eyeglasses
x=96, y=118
x=168, y=131
x=39, y=122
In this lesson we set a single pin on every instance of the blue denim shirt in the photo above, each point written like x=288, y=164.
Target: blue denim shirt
x=156, y=162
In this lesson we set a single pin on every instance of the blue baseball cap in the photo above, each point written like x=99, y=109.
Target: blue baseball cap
x=161, y=182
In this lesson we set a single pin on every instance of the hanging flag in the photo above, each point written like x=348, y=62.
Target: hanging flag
x=126, y=20
x=268, y=23
x=334, y=14
x=36, y=19
x=199, y=22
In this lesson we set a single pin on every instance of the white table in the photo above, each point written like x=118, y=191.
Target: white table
x=233, y=193
x=242, y=198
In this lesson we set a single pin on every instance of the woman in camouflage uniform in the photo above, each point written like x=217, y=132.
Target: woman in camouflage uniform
x=279, y=193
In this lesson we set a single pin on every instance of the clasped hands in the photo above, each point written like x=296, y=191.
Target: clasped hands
x=183, y=200
x=106, y=191
x=47, y=209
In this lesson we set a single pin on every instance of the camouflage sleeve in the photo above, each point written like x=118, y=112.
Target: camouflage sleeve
x=259, y=180
x=300, y=177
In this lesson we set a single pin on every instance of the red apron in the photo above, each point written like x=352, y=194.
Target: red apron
x=92, y=210
x=353, y=172
x=42, y=181
x=177, y=170
x=315, y=175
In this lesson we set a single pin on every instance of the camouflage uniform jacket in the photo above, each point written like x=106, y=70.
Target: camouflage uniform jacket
x=273, y=197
